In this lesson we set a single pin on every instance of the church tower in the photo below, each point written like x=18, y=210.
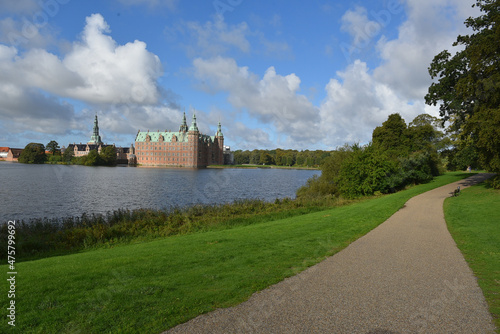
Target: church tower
x=95, y=139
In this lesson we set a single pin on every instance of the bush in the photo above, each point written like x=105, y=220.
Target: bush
x=494, y=182
x=364, y=172
x=418, y=168
x=54, y=159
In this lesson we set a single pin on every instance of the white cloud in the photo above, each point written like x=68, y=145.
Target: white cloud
x=274, y=98
x=360, y=99
x=112, y=73
x=359, y=26
x=96, y=71
x=247, y=138
x=430, y=28
x=357, y=104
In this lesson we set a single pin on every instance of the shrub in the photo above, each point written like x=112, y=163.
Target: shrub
x=365, y=171
x=494, y=182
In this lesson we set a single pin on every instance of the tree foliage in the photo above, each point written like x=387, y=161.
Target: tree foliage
x=364, y=172
x=391, y=136
x=467, y=88
x=108, y=155
x=52, y=147
x=281, y=157
x=68, y=155
x=33, y=153
x=399, y=155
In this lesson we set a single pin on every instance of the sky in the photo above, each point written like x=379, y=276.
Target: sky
x=288, y=74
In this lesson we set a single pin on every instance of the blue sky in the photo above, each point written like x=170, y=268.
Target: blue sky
x=276, y=74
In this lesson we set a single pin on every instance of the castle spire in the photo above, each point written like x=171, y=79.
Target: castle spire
x=95, y=139
x=184, y=126
x=219, y=131
x=193, y=126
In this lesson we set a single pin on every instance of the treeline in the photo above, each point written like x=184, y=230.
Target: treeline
x=107, y=157
x=280, y=157
x=35, y=153
x=399, y=155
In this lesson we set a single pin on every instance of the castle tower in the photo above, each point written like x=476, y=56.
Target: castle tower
x=193, y=126
x=95, y=139
x=219, y=137
x=194, y=143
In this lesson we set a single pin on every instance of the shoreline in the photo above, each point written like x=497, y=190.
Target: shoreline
x=261, y=167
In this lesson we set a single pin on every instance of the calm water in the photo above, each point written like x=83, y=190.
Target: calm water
x=54, y=191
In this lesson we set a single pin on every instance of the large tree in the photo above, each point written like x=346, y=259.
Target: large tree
x=391, y=137
x=108, y=155
x=468, y=84
x=53, y=147
x=33, y=153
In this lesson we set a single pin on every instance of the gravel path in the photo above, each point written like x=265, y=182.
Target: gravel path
x=405, y=276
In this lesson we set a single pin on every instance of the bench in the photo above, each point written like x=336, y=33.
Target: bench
x=456, y=192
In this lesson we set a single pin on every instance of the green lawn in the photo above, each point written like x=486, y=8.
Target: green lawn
x=473, y=219
x=152, y=286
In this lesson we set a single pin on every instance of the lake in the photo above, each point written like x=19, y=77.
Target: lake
x=56, y=191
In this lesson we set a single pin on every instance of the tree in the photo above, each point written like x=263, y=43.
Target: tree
x=241, y=157
x=423, y=134
x=108, y=155
x=53, y=147
x=92, y=159
x=468, y=84
x=266, y=158
x=68, y=155
x=391, y=137
x=33, y=153
x=255, y=157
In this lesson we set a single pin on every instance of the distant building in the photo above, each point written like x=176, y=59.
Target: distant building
x=13, y=154
x=95, y=143
x=228, y=156
x=4, y=151
x=185, y=148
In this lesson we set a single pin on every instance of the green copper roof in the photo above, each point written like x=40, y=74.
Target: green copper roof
x=167, y=136
x=182, y=135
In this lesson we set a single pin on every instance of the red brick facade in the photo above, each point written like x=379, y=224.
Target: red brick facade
x=186, y=148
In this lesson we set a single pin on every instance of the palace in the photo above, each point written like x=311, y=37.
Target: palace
x=185, y=148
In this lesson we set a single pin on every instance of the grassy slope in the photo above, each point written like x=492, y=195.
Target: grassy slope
x=150, y=287
x=473, y=219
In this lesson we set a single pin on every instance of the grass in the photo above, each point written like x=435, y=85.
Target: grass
x=152, y=286
x=39, y=238
x=473, y=221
